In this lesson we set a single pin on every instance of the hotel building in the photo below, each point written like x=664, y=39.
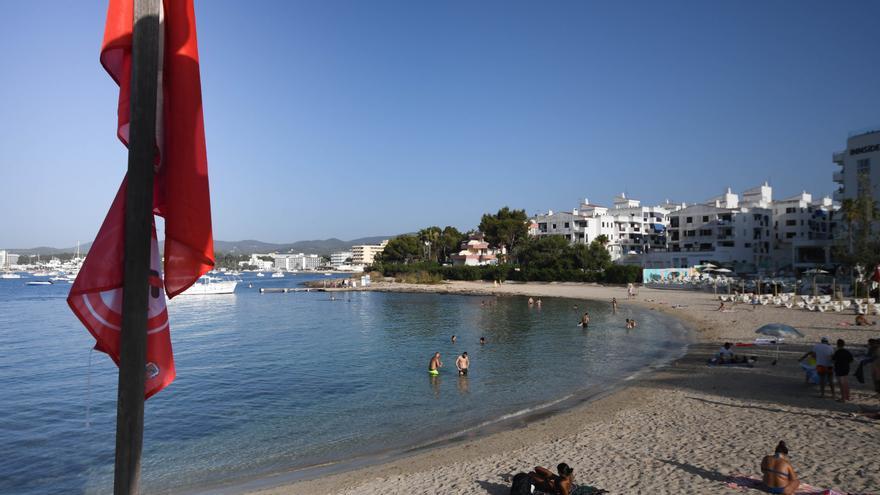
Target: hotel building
x=858, y=173
x=364, y=254
x=340, y=258
x=300, y=261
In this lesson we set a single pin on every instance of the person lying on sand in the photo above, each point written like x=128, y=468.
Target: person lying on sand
x=548, y=482
x=779, y=476
x=861, y=321
x=562, y=483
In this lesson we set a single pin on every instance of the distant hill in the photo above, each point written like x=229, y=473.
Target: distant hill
x=322, y=247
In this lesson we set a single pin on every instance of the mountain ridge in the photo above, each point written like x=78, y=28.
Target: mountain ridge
x=246, y=246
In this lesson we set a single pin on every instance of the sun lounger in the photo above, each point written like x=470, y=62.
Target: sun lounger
x=745, y=483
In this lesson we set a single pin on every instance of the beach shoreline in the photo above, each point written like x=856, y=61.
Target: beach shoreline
x=650, y=434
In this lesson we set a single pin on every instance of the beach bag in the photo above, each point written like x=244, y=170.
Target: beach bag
x=522, y=484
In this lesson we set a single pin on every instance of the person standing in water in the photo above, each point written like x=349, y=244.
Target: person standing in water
x=482, y=340
x=585, y=320
x=453, y=339
x=614, y=305
x=462, y=364
x=434, y=365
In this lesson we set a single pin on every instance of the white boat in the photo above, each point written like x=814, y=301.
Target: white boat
x=206, y=285
x=39, y=282
x=261, y=274
x=9, y=275
x=278, y=275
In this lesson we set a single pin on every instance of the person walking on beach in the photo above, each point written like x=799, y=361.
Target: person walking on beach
x=434, y=365
x=462, y=364
x=779, y=476
x=824, y=364
x=614, y=305
x=842, y=359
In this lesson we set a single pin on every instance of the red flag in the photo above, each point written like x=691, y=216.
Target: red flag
x=180, y=193
x=96, y=298
x=876, y=276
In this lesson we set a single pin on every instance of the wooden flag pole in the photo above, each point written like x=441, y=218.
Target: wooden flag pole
x=138, y=233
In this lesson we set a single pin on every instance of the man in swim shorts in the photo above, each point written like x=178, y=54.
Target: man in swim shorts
x=585, y=320
x=434, y=365
x=824, y=366
x=462, y=364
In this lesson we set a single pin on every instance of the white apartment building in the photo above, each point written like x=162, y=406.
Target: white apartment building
x=722, y=230
x=299, y=261
x=261, y=264
x=748, y=232
x=638, y=229
x=340, y=258
x=7, y=259
x=860, y=159
x=365, y=254
x=803, y=231
x=629, y=227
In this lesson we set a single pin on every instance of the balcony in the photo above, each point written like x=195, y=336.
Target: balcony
x=838, y=177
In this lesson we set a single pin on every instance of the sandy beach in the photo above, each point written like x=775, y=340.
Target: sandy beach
x=681, y=429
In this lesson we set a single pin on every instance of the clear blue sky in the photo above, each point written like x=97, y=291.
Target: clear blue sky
x=346, y=119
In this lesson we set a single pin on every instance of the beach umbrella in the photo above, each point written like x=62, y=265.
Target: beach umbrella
x=779, y=331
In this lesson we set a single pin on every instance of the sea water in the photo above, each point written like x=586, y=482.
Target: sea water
x=278, y=383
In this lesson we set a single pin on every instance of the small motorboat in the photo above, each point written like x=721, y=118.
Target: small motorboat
x=39, y=282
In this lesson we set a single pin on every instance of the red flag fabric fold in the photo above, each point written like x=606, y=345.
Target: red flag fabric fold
x=181, y=193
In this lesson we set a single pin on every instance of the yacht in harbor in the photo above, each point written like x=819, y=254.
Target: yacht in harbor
x=278, y=274
x=209, y=285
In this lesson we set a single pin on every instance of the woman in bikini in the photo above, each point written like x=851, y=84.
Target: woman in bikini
x=779, y=476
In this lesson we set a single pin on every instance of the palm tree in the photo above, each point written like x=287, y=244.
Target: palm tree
x=429, y=237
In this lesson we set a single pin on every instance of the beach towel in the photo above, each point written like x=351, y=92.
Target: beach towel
x=745, y=483
x=579, y=490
